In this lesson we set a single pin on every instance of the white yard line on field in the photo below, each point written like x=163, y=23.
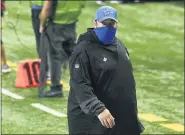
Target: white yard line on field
x=36, y=105
x=48, y=110
x=11, y=94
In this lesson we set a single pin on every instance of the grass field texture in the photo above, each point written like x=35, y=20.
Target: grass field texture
x=154, y=36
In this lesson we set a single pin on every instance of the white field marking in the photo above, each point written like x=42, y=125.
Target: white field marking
x=48, y=110
x=10, y=94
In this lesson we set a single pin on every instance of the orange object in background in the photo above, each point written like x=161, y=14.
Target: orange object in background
x=27, y=75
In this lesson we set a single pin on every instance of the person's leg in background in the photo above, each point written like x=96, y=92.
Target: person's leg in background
x=5, y=68
x=69, y=45
x=55, y=63
x=59, y=51
x=55, y=52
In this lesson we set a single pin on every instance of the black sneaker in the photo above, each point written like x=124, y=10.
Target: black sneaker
x=56, y=91
x=53, y=93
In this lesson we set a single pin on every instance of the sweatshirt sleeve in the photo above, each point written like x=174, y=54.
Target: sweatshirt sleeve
x=80, y=82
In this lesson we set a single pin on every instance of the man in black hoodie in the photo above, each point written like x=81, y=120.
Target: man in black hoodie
x=102, y=98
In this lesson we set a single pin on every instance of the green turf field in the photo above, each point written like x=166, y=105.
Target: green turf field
x=154, y=35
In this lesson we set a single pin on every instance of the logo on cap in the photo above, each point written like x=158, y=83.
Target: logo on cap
x=107, y=11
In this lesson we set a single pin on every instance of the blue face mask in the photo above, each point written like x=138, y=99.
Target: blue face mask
x=105, y=34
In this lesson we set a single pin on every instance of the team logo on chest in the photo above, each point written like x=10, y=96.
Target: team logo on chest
x=105, y=59
x=77, y=65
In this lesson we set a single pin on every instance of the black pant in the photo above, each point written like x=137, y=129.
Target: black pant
x=36, y=26
x=61, y=40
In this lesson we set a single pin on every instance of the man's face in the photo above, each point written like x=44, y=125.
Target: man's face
x=99, y=24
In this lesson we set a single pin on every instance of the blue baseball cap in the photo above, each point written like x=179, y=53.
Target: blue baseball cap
x=106, y=12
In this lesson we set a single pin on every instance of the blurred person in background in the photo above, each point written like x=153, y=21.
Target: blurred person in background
x=61, y=32
x=4, y=66
x=102, y=98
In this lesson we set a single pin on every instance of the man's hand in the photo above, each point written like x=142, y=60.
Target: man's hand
x=106, y=119
x=41, y=29
x=44, y=14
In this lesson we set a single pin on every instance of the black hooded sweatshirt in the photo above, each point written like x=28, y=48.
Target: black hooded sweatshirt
x=101, y=77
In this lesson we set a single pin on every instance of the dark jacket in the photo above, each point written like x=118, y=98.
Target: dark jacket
x=101, y=77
